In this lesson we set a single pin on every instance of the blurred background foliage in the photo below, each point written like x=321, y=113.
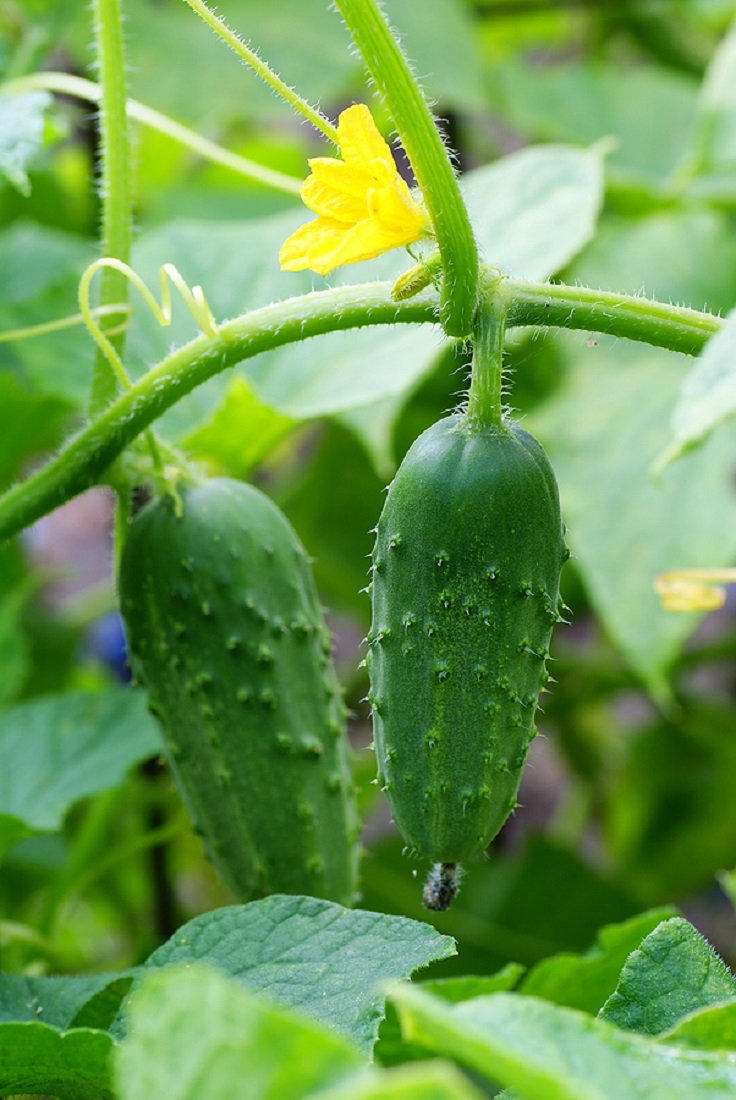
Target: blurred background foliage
x=628, y=798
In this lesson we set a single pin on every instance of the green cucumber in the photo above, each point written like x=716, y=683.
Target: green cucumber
x=226, y=632
x=465, y=592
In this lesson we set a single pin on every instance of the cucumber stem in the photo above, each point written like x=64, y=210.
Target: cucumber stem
x=484, y=395
x=115, y=184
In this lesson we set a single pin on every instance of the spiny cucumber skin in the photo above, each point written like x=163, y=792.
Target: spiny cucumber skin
x=465, y=592
x=226, y=632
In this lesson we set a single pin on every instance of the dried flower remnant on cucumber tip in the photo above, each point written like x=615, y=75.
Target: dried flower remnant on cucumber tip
x=364, y=207
x=441, y=887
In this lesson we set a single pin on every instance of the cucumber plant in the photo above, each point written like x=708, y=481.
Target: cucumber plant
x=226, y=632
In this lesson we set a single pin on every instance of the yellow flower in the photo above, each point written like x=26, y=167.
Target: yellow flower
x=364, y=206
x=693, y=589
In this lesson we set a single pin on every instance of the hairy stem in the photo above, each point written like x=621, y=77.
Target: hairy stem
x=484, y=395
x=115, y=181
x=84, y=460
x=427, y=155
x=558, y=306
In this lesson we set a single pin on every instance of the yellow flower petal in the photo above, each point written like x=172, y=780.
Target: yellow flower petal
x=337, y=190
x=364, y=241
x=360, y=141
x=312, y=246
x=396, y=211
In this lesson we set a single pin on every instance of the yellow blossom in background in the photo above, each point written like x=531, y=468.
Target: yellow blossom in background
x=694, y=589
x=364, y=207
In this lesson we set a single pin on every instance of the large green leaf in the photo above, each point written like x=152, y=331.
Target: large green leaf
x=73, y=1065
x=192, y=1032
x=586, y=981
x=392, y=1050
x=313, y=955
x=603, y=430
x=533, y=211
x=543, y=1051
x=21, y=135
x=672, y=973
x=709, y=1028
x=58, y=749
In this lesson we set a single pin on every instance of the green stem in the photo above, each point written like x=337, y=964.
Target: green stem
x=115, y=184
x=274, y=81
x=484, y=395
x=676, y=328
x=427, y=155
x=84, y=460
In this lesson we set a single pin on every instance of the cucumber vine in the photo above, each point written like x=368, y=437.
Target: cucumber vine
x=449, y=288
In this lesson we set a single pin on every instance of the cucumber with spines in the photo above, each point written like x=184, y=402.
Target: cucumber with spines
x=465, y=593
x=226, y=632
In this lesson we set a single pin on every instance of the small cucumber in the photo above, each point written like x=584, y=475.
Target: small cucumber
x=226, y=632
x=465, y=592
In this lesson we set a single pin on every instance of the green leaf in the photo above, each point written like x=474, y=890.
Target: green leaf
x=430, y=1081
x=542, y=1051
x=21, y=135
x=56, y=1001
x=533, y=211
x=311, y=955
x=710, y=1028
x=392, y=1050
x=672, y=973
x=193, y=1033
x=650, y=112
x=585, y=981
x=602, y=431
x=58, y=749
x=36, y=1058
x=708, y=394
x=239, y=434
